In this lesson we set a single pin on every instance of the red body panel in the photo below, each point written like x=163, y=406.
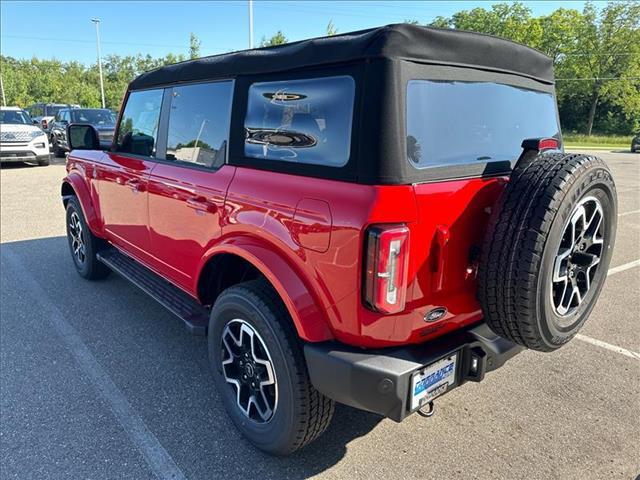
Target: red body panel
x=306, y=235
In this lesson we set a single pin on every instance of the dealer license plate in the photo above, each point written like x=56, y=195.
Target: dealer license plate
x=433, y=381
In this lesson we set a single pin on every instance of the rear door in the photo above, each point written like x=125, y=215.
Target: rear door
x=124, y=175
x=187, y=188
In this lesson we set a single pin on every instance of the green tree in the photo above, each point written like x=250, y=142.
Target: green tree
x=277, y=39
x=596, y=57
x=607, y=59
x=194, y=46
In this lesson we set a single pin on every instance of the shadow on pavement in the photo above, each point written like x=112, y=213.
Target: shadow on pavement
x=161, y=369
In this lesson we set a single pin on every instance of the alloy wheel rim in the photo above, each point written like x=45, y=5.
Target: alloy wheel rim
x=578, y=257
x=77, y=238
x=247, y=367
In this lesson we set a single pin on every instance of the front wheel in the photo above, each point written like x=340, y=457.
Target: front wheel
x=260, y=373
x=58, y=151
x=83, y=245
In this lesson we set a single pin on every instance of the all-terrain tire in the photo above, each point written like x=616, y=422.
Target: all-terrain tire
x=84, y=256
x=301, y=413
x=533, y=248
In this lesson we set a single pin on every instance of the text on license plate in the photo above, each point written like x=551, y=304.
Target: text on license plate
x=433, y=381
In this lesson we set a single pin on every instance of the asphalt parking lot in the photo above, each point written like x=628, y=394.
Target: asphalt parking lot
x=98, y=381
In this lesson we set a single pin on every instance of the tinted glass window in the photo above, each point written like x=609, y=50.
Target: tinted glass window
x=138, y=130
x=199, y=123
x=52, y=110
x=94, y=117
x=35, y=110
x=15, y=116
x=305, y=121
x=452, y=123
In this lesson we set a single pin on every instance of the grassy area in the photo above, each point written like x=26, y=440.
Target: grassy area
x=616, y=141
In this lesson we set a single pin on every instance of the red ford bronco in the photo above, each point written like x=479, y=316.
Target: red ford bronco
x=372, y=218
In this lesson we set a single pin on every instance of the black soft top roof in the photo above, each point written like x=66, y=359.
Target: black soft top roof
x=400, y=41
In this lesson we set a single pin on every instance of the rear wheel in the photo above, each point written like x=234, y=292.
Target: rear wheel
x=260, y=373
x=83, y=245
x=547, y=249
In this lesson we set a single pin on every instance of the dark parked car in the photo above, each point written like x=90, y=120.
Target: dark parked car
x=635, y=143
x=102, y=119
x=373, y=218
x=44, y=113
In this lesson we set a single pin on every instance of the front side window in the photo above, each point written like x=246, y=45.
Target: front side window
x=304, y=121
x=454, y=123
x=199, y=123
x=138, y=130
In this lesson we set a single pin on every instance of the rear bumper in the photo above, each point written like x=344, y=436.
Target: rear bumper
x=379, y=381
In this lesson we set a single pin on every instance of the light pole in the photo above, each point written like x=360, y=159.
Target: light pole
x=97, y=22
x=4, y=100
x=250, y=23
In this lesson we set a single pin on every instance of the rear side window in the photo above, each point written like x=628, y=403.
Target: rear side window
x=453, y=123
x=199, y=123
x=138, y=131
x=304, y=121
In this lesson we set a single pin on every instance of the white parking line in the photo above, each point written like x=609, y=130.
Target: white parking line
x=600, y=343
x=623, y=267
x=608, y=346
x=628, y=213
x=151, y=449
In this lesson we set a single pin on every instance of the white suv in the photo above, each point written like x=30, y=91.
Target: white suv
x=20, y=139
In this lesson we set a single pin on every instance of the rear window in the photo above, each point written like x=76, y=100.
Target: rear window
x=304, y=121
x=453, y=123
x=52, y=110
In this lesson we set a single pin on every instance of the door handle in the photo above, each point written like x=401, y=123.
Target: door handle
x=441, y=244
x=135, y=185
x=202, y=204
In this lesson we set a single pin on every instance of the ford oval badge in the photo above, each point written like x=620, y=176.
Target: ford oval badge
x=435, y=314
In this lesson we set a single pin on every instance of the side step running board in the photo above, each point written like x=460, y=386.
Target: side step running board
x=194, y=315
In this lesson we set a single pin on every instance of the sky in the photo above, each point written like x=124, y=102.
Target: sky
x=63, y=30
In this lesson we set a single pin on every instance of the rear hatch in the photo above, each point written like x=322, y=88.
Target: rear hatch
x=466, y=136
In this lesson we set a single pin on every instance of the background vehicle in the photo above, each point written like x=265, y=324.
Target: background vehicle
x=44, y=113
x=20, y=139
x=313, y=210
x=635, y=143
x=102, y=119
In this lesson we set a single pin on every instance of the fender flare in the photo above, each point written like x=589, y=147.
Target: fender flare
x=76, y=182
x=309, y=320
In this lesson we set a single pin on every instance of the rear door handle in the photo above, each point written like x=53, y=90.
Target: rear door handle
x=442, y=238
x=134, y=184
x=202, y=204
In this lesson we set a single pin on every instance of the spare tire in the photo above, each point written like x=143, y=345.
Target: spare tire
x=547, y=249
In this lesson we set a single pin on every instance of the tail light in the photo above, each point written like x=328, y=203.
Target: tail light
x=386, y=268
